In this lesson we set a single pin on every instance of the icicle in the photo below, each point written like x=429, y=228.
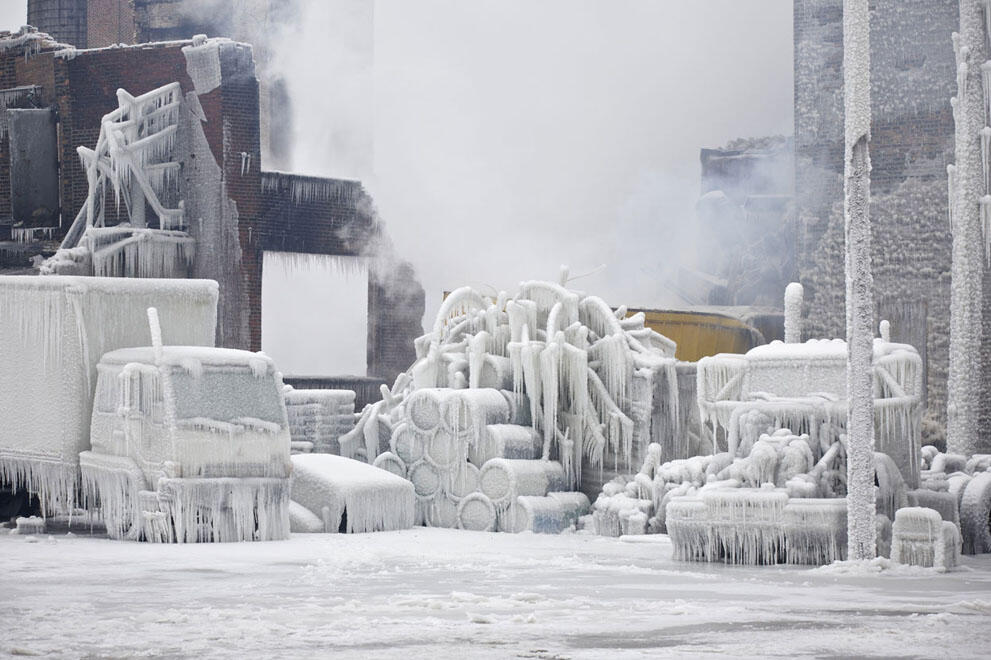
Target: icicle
x=986, y=225
x=951, y=192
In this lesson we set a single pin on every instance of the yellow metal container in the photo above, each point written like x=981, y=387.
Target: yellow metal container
x=699, y=334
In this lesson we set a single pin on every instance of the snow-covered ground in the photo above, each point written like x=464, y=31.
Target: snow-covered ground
x=435, y=593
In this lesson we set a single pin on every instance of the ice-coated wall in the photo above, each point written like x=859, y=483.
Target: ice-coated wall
x=913, y=76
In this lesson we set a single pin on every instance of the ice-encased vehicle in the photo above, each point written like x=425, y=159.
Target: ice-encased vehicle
x=189, y=444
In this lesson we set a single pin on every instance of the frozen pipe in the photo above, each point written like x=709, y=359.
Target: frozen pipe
x=794, y=294
x=885, y=331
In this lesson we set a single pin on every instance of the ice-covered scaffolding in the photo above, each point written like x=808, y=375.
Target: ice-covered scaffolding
x=526, y=392
x=134, y=162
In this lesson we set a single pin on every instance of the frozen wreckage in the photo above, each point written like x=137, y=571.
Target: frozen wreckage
x=177, y=443
x=513, y=402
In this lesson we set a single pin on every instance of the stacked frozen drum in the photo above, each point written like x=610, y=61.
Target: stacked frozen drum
x=318, y=418
x=476, y=464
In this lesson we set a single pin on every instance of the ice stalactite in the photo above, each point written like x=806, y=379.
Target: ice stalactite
x=859, y=288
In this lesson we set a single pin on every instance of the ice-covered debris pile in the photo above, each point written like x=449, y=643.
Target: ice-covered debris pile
x=338, y=494
x=518, y=394
x=133, y=161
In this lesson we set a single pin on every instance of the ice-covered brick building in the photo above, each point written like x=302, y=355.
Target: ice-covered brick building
x=55, y=98
x=913, y=76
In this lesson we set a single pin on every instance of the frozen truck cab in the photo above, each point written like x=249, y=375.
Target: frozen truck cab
x=189, y=444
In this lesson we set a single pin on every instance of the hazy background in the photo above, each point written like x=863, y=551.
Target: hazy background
x=512, y=136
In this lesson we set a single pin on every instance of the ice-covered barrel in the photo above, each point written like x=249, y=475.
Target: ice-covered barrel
x=407, y=443
x=423, y=408
x=504, y=479
x=507, y=441
x=551, y=514
x=468, y=412
x=391, y=463
x=476, y=512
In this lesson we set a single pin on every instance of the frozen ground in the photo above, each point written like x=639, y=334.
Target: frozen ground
x=433, y=593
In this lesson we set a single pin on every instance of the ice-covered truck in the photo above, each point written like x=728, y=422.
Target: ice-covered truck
x=185, y=442
x=189, y=444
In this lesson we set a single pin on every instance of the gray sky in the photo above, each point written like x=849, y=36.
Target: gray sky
x=512, y=136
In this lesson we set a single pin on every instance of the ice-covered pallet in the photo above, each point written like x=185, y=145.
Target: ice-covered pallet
x=320, y=417
x=338, y=494
x=53, y=332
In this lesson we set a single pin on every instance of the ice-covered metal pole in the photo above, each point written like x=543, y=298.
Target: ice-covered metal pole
x=969, y=186
x=859, y=282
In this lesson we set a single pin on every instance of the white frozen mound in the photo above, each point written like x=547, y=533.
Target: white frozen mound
x=351, y=496
x=302, y=520
x=920, y=537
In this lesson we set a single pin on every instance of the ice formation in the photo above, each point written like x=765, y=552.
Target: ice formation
x=134, y=160
x=351, y=496
x=970, y=223
x=515, y=397
x=53, y=332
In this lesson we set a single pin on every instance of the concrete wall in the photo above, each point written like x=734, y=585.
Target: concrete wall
x=65, y=20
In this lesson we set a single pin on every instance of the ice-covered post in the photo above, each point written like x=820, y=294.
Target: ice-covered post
x=859, y=282
x=969, y=185
x=793, y=313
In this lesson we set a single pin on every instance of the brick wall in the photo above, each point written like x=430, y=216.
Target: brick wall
x=65, y=20
x=109, y=22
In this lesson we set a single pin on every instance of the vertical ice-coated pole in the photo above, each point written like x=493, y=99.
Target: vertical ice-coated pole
x=859, y=282
x=156, y=333
x=794, y=294
x=964, y=385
